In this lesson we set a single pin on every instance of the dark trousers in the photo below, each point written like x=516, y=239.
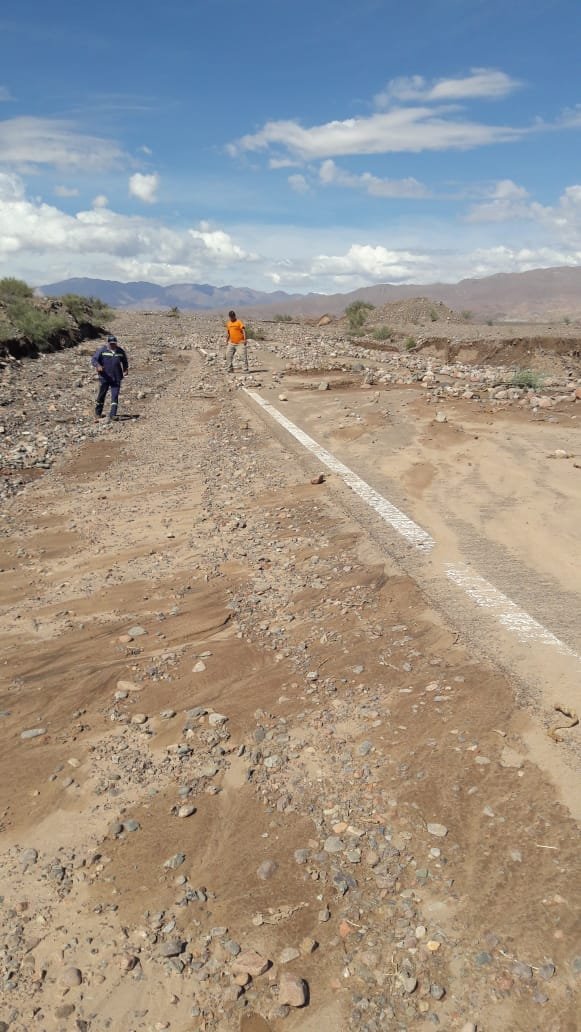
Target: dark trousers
x=104, y=386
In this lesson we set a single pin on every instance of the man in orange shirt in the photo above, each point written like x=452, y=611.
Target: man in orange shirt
x=235, y=338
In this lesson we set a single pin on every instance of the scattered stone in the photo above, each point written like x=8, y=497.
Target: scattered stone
x=216, y=719
x=523, y=971
x=34, y=732
x=28, y=857
x=172, y=948
x=439, y=830
x=308, y=946
x=288, y=954
x=483, y=958
x=199, y=667
x=139, y=718
x=175, y=861
x=324, y=915
x=437, y=992
x=72, y=976
x=318, y=480
x=131, y=825
x=546, y=971
x=292, y=990
x=333, y=844
x=136, y=632
x=409, y=983
x=267, y=869
x=510, y=758
x=250, y=962
x=129, y=686
x=187, y=810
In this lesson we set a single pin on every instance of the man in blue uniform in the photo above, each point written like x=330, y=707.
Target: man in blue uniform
x=110, y=361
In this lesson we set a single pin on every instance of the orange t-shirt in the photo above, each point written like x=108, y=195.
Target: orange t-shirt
x=235, y=332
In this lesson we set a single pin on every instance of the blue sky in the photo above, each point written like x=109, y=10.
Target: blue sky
x=304, y=146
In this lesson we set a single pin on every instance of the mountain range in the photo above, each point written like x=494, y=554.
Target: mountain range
x=538, y=294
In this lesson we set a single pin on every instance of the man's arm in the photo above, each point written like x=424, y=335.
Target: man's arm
x=96, y=360
x=243, y=334
x=124, y=362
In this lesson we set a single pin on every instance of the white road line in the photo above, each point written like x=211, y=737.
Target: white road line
x=509, y=615
x=388, y=512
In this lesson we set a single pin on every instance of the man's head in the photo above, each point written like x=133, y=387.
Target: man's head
x=112, y=341
x=232, y=316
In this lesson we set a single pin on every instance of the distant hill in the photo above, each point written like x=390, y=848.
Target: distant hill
x=143, y=295
x=541, y=294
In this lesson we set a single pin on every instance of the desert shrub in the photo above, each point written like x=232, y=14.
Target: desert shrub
x=383, y=333
x=38, y=326
x=466, y=314
x=357, y=313
x=86, y=309
x=12, y=289
x=174, y=312
x=254, y=333
x=567, y=320
x=490, y=322
x=434, y=315
x=410, y=344
x=283, y=318
x=526, y=378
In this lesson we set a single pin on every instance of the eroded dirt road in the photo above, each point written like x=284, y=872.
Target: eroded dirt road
x=257, y=736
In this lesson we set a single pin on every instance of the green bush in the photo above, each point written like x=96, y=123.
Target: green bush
x=283, y=318
x=466, y=314
x=12, y=289
x=357, y=313
x=410, y=344
x=37, y=326
x=434, y=315
x=174, y=312
x=253, y=333
x=526, y=378
x=383, y=333
x=86, y=309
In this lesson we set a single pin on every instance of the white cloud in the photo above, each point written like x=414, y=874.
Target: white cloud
x=487, y=83
x=26, y=142
x=40, y=242
x=146, y=150
x=298, y=183
x=144, y=186
x=100, y=201
x=373, y=263
x=66, y=191
x=331, y=175
x=411, y=129
x=506, y=201
x=5, y=94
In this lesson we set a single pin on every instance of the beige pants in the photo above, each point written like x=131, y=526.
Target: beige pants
x=231, y=351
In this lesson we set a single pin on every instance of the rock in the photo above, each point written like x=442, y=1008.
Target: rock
x=139, y=718
x=250, y=962
x=63, y=1012
x=28, y=857
x=333, y=844
x=318, y=480
x=324, y=915
x=292, y=990
x=324, y=386
x=34, y=732
x=136, y=632
x=199, y=667
x=288, y=954
x=483, y=958
x=576, y=965
x=439, y=830
x=216, y=719
x=71, y=976
x=129, y=686
x=131, y=825
x=282, y=397
x=409, y=983
x=175, y=861
x=437, y=992
x=187, y=810
x=301, y=855
x=546, y=971
x=308, y=946
x=441, y=417
x=115, y=829
x=365, y=748
x=172, y=948
x=267, y=869
x=510, y=758
x=522, y=971
x=469, y=1026
x=127, y=962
